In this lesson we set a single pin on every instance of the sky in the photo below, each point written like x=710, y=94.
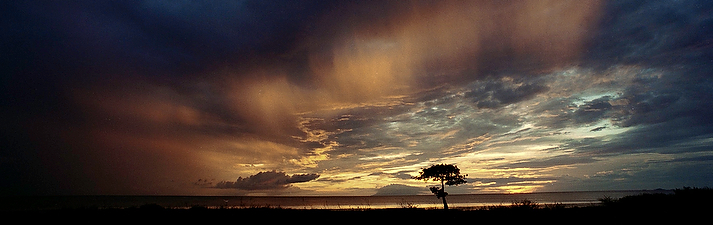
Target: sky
x=353, y=97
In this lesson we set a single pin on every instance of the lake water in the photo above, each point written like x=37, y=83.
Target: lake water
x=313, y=202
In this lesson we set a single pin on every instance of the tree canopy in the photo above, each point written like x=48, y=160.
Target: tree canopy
x=449, y=174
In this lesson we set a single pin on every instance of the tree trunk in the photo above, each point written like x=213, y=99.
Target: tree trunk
x=443, y=189
x=445, y=205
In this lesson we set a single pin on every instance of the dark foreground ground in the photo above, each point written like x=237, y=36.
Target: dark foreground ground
x=686, y=206
x=585, y=215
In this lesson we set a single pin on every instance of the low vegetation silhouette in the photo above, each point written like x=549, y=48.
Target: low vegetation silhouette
x=682, y=199
x=684, y=206
x=446, y=174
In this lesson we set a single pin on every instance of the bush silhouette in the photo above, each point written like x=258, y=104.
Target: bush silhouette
x=525, y=204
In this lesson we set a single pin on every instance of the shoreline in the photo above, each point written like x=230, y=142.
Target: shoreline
x=568, y=199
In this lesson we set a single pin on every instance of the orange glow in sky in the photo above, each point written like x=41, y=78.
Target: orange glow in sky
x=346, y=98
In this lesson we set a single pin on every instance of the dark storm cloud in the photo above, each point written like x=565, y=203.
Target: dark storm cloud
x=704, y=159
x=674, y=136
x=666, y=114
x=654, y=33
x=674, y=95
x=154, y=36
x=498, y=93
x=592, y=111
x=270, y=180
x=52, y=47
x=564, y=112
x=83, y=77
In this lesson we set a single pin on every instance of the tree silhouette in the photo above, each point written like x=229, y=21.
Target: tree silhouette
x=446, y=174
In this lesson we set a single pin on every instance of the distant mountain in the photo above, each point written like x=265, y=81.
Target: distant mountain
x=398, y=189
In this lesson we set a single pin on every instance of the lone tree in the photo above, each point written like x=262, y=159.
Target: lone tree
x=446, y=174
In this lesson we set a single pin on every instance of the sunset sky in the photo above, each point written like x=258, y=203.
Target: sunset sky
x=353, y=97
